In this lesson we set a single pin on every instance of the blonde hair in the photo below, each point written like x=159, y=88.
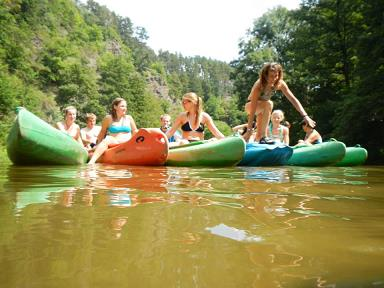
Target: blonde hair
x=198, y=102
x=66, y=109
x=263, y=75
x=278, y=112
x=89, y=116
x=165, y=115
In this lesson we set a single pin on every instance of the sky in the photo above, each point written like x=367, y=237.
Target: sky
x=210, y=28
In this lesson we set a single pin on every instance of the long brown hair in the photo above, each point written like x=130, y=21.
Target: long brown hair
x=263, y=75
x=198, y=102
x=115, y=102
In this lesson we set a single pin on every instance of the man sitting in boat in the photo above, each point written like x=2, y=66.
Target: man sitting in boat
x=193, y=121
x=117, y=125
x=311, y=135
x=69, y=126
x=165, y=121
x=89, y=134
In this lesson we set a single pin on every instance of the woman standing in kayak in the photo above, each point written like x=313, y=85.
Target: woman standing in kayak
x=69, y=126
x=193, y=121
x=270, y=80
x=116, y=128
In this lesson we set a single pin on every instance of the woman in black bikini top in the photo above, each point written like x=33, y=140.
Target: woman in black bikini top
x=187, y=127
x=193, y=121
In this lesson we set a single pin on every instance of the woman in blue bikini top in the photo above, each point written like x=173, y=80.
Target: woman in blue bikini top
x=193, y=121
x=115, y=128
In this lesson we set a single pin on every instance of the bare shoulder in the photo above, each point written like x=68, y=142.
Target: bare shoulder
x=182, y=116
x=282, y=85
x=257, y=84
x=205, y=116
x=129, y=117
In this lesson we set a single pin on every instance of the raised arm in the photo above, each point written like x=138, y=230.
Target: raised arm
x=296, y=103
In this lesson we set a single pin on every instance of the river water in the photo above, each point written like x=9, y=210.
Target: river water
x=123, y=226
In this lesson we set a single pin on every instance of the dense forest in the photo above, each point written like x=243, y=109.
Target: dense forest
x=55, y=53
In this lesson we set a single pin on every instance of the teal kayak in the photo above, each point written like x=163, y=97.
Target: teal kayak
x=323, y=154
x=32, y=141
x=219, y=153
x=266, y=155
x=354, y=156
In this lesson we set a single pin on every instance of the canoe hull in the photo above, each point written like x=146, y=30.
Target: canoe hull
x=266, y=155
x=221, y=153
x=148, y=147
x=354, y=156
x=32, y=141
x=324, y=154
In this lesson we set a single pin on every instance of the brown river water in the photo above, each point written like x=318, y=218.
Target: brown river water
x=123, y=226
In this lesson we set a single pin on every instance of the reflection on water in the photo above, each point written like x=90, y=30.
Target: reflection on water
x=233, y=233
x=103, y=225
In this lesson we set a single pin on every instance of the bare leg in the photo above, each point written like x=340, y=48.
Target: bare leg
x=100, y=149
x=263, y=118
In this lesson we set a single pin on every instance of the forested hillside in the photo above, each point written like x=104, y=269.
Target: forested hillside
x=55, y=53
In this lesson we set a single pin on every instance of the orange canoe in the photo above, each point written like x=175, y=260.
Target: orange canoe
x=149, y=146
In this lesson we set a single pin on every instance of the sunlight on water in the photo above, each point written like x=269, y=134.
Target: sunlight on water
x=104, y=225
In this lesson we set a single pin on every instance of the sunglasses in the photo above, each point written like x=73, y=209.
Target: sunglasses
x=186, y=101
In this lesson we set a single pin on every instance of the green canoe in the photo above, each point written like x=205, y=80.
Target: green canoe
x=324, y=154
x=32, y=141
x=354, y=156
x=220, y=153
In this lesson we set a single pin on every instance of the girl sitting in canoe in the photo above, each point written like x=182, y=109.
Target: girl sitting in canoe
x=69, y=126
x=193, y=121
x=116, y=128
x=270, y=80
x=278, y=132
x=311, y=135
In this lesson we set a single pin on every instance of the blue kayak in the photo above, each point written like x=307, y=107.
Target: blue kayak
x=266, y=155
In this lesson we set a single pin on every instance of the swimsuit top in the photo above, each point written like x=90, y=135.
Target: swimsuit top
x=264, y=96
x=187, y=127
x=122, y=126
x=279, y=135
